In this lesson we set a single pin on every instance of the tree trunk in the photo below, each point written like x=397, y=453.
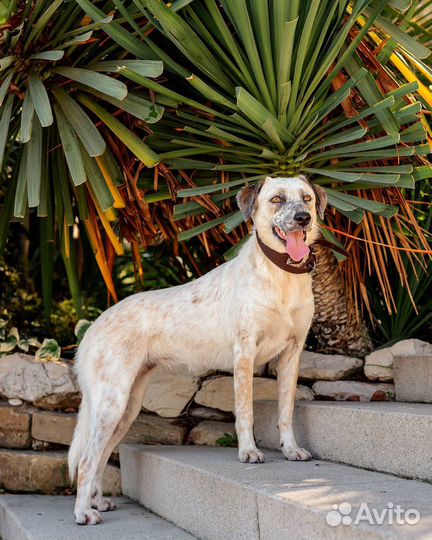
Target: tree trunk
x=336, y=327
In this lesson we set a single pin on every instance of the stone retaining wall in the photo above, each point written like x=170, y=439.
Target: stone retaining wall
x=39, y=403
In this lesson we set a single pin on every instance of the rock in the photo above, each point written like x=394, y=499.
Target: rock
x=169, y=392
x=47, y=385
x=208, y=432
x=15, y=402
x=14, y=427
x=413, y=378
x=304, y=393
x=44, y=472
x=57, y=427
x=53, y=427
x=205, y=413
x=379, y=364
x=328, y=367
x=149, y=429
x=354, y=391
x=218, y=392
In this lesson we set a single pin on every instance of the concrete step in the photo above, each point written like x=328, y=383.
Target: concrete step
x=381, y=436
x=43, y=517
x=209, y=493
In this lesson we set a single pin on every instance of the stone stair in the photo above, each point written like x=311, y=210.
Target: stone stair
x=208, y=493
x=390, y=437
x=44, y=517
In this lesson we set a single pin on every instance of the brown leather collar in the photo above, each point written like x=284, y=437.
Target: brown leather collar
x=283, y=261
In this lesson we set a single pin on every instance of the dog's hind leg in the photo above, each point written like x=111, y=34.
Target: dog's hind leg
x=106, y=408
x=132, y=410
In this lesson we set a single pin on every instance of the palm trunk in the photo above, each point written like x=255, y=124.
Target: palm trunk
x=336, y=327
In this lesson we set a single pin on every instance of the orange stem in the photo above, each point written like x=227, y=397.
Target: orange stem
x=410, y=250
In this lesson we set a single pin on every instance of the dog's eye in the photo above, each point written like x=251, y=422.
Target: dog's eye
x=307, y=198
x=276, y=199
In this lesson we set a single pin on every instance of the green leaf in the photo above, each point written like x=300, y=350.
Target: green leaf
x=265, y=82
x=366, y=204
x=137, y=106
x=414, y=133
x=103, y=83
x=258, y=114
x=4, y=87
x=311, y=9
x=40, y=100
x=337, y=175
x=34, y=164
x=342, y=137
x=402, y=37
x=43, y=21
x=187, y=41
x=50, y=351
x=72, y=274
x=373, y=95
x=365, y=146
x=71, y=148
x=120, y=35
x=6, y=213
x=146, y=68
x=97, y=182
x=6, y=61
x=210, y=93
x=20, y=203
x=46, y=227
x=81, y=328
x=4, y=126
x=81, y=123
x=140, y=149
x=48, y=55
x=233, y=220
x=233, y=251
x=195, y=231
x=27, y=117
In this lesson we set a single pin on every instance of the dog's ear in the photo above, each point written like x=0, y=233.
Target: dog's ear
x=321, y=200
x=246, y=199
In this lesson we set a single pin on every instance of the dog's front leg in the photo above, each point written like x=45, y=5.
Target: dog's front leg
x=244, y=357
x=288, y=368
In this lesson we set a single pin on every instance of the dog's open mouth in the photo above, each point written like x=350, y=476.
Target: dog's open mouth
x=295, y=243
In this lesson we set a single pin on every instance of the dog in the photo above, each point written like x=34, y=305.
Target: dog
x=238, y=316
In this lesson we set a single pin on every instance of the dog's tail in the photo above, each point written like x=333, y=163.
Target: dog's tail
x=79, y=440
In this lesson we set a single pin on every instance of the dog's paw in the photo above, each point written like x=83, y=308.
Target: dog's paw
x=251, y=456
x=103, y=505
x=293, y=453
x=88, y=517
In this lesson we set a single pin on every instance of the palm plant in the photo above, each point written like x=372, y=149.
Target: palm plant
x=65, y=117
x=269, y=87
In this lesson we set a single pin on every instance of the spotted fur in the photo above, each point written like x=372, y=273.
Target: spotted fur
x=238, y=316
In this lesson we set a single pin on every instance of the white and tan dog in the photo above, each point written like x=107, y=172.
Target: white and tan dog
x=240, y=315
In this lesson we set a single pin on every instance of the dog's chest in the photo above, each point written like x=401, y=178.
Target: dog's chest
x=281, y=321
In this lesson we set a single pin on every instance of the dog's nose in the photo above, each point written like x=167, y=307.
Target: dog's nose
x=302, y=218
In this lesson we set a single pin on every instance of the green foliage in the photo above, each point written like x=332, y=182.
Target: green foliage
x=228, y=440
x=59, y=93
x=412, y=315
x=81, y=328
x=10, y=340
x=259, y=83
x=49, y=351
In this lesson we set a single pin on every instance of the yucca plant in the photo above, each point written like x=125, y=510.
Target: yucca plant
x=276, y=87
x=65, y=117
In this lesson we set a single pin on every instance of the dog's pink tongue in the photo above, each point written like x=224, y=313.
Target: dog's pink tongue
x=296, y=247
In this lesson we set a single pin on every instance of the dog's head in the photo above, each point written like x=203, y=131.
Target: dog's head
x=284, y=212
